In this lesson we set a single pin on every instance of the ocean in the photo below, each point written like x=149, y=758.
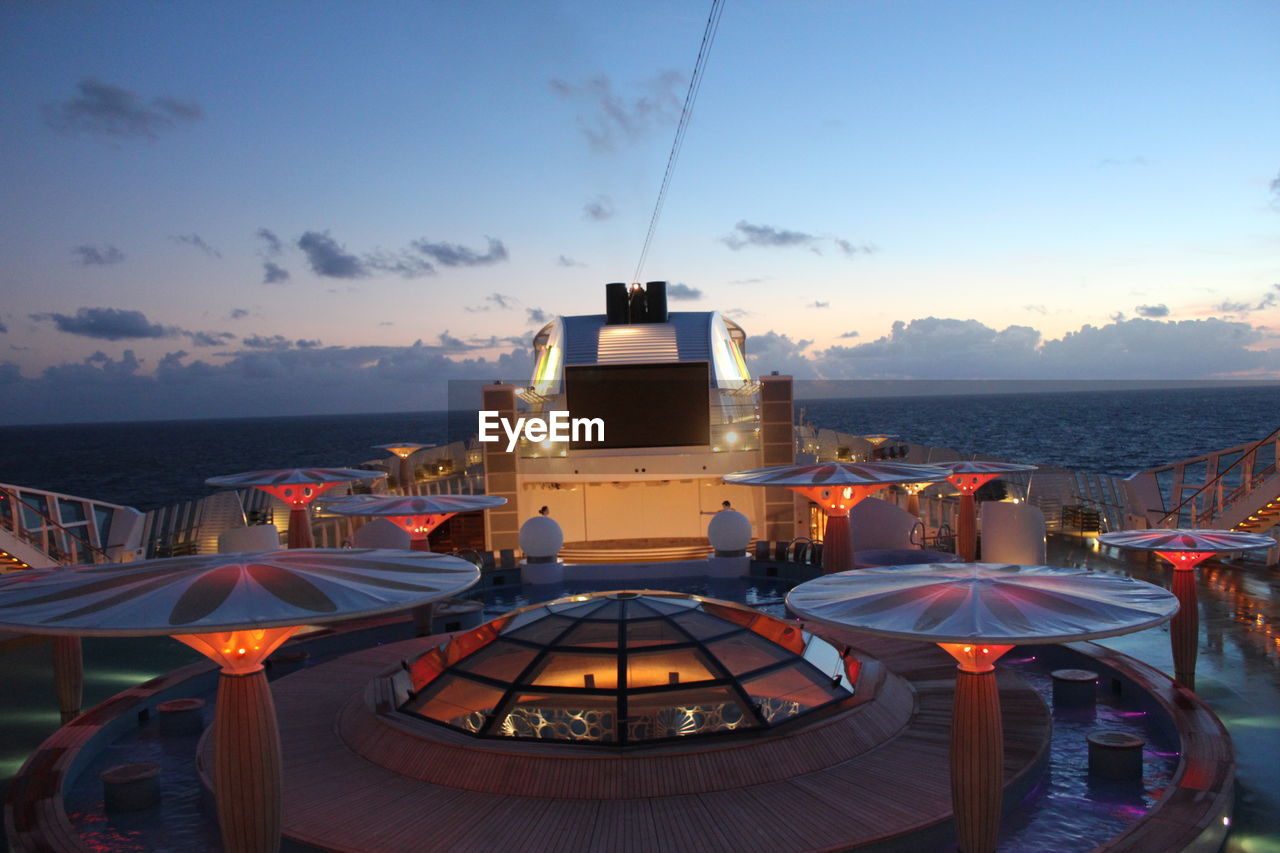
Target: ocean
x=156, y=463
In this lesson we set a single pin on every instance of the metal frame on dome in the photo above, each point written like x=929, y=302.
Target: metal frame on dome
x=438, y=669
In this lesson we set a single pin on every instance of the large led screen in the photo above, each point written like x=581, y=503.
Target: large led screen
x=642, y=405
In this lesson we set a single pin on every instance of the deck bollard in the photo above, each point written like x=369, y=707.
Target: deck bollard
x=181, y=716
x=1074, y=689
x=131, y=787
x=1116, y=755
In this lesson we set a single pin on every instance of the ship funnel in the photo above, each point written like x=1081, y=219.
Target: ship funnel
x=656, y=291
x=615, y=303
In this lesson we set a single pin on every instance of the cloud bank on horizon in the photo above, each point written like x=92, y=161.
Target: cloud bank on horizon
x=276, y=375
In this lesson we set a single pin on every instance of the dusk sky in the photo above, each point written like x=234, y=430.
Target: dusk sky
x=229, y=209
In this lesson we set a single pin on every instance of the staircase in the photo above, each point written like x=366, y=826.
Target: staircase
x=10, y=563
x=1263, y=519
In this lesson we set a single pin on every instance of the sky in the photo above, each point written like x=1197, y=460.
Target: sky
x=234, y=209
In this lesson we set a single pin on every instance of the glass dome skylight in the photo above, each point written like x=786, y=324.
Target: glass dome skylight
x=621, y=668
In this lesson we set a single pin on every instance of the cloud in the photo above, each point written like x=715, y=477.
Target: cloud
x=1275, y=184
x=108, y=110
x=606, y=118
x=737, y=313
x=599, y=209
x=816, y=304
x=537, y=315
x=273, y=244
x=1244, y=309
x=502, y=301
x=850, y=249
x=97, y=256
x=108, y=324
x=198, y=242
x=327, y=258
x=1036, y=309
x=564, y=261
x=273, y=273
x=774, y=351
x=746, y=234
x=386, y=323
x=209, y=339
x=849, y=334
x=750, y=280
x=238, y=313
x=1152, y=311
x=3, y=327
x=454, y=255
x=680, y=292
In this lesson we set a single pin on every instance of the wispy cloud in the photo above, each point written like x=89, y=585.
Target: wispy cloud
x=238, y=313
x=108, y=324
x=850, y=249
x=1036, y=309
x=607, y=118
x=209, y=339
x=1245, y=308
x=537, y=315
x=107, y=110
x=273, y=273
x=849, y=334
x=679, y=291
x=196, y=241
x=455, y=255
x=816, y=304
x=97, y=256
x=745, y=234
x=495, y=300
x=598, y=209
x=566, y=261
x=267, y=236
x=1152, y=311
x=328, y=258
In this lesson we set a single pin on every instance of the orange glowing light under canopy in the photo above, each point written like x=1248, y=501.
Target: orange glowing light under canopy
x=975, y=657
x=239, y=652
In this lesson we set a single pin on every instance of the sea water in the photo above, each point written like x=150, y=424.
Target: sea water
x=157, y=463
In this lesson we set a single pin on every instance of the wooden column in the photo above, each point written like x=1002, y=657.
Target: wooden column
x=967, y=528
x=1184, y=630
x=300, y=535
x=977, y=761
x=502, y=524
x=778, y=447
x=68, y=676
x=247, y=763
x=837, y=548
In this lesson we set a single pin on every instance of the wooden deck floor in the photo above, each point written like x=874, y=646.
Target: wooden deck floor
x=336, y=798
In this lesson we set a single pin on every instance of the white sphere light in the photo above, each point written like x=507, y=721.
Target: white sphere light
x=729, y=531
x=541, y=536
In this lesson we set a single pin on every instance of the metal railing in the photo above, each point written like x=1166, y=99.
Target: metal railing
x=74, y=546
x=1214, y=488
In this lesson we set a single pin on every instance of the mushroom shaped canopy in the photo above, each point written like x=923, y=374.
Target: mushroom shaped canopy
x=837, y=474
x=982, y=602
x=227, y=592
x=1201, y=541
x=396, y=505
x=294, y=477
x=974, y=466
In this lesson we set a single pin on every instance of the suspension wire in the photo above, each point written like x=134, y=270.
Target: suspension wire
x=695, y=83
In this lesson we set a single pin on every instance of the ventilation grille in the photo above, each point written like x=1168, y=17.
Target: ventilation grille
x=637, y=344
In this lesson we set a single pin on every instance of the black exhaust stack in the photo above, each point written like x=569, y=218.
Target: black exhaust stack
x=616, y=312
x=656, y=291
